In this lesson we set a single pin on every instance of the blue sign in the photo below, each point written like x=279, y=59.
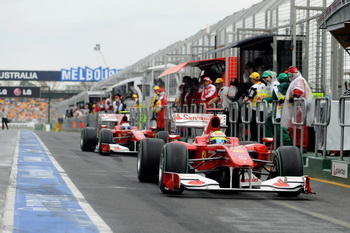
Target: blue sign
x=87, y=74
x=79, y=74
x=19, y=75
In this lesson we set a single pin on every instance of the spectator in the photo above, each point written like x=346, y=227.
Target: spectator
x=298, y=88
x=4, y=115
x=255, y=93
x=209, y=91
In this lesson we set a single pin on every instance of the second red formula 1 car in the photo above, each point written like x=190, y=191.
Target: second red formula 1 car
x=113, y=134
x=214, y=162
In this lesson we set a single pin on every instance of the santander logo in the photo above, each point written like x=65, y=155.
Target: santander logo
x=280, y=183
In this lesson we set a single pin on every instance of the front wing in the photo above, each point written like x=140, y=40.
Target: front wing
x=173, y=181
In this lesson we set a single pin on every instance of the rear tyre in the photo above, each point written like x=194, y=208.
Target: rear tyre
x=174, y=158
x=288, y=162
x=88, y=139
x=163, y=135
x=148, y=159
x=106, y=136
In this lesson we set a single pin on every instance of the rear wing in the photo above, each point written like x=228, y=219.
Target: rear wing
x=195, y=120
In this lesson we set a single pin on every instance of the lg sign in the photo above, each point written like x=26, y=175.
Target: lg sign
x=20, y=92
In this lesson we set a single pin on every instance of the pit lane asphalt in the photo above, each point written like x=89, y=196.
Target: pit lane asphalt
x=109, y=184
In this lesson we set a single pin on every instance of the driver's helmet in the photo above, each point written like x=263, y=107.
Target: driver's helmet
x=217, y=137
x=125, y=126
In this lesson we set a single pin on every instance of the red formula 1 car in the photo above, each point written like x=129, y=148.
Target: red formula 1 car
x=113, y=134
x=214, y=162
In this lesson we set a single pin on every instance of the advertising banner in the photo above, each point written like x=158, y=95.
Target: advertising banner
x=28, y=92
x=79, y=74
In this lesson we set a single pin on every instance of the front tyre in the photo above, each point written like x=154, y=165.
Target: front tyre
x=288, y=162
x=174, y=158
x=148, y=159
x=106, y=136
x=88, y=139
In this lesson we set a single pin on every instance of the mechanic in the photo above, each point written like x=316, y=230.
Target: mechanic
x=271, y=81
x=154, y=101
x=298, y=88
x=117, y=104
x=279, y=93
x=161, y=109
x=208, y=92
x=183, y=89
x=256, y=92
x=225, y=96
x=217, y=137
x=191, y=96
x=136, y=102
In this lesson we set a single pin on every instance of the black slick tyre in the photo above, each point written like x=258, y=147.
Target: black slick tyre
x=288, y=162
x=148, y=159
x=88, y=139
x=174, y=158
x=163, y=135
x=106, y=136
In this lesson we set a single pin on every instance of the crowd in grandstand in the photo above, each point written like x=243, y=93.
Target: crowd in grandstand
x=25, y=109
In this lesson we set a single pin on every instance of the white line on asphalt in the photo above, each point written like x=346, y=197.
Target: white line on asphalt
x=317, y=215
x=9, y=206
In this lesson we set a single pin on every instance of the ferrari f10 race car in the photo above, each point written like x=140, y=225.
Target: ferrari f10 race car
x=113, y=134
x=214, y=162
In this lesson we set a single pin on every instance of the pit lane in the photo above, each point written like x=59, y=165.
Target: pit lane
x=110, y=186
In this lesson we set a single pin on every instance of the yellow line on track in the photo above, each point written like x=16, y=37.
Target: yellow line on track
x=331, y=182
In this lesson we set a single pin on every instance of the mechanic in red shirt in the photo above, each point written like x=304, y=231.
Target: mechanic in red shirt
x=161, y=109
x=209, y=92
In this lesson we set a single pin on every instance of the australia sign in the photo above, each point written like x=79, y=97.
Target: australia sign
x=79, y=74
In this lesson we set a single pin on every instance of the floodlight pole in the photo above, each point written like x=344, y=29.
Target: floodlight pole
x=98, y=48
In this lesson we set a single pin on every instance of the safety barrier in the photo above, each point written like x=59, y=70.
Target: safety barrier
x=260, y=117
x=298, y=120
x=233, y=113
x=276, y=121
x=342, y=122
x=238, y=117
x=322, y=119
x=246, y=118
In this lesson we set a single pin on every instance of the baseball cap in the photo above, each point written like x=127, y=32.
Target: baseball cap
x=266, y=74
x=206, y=79
x=255, y=75
x=219, y=80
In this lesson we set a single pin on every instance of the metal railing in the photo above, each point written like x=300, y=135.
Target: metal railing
x=342, y=122
x=322, y=119
x=298, y=120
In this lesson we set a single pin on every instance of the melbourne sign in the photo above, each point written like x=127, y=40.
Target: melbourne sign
x=32, y=92
x=86, y=74
x=80, y=74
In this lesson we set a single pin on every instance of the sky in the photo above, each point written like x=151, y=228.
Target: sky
x=54, y=35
